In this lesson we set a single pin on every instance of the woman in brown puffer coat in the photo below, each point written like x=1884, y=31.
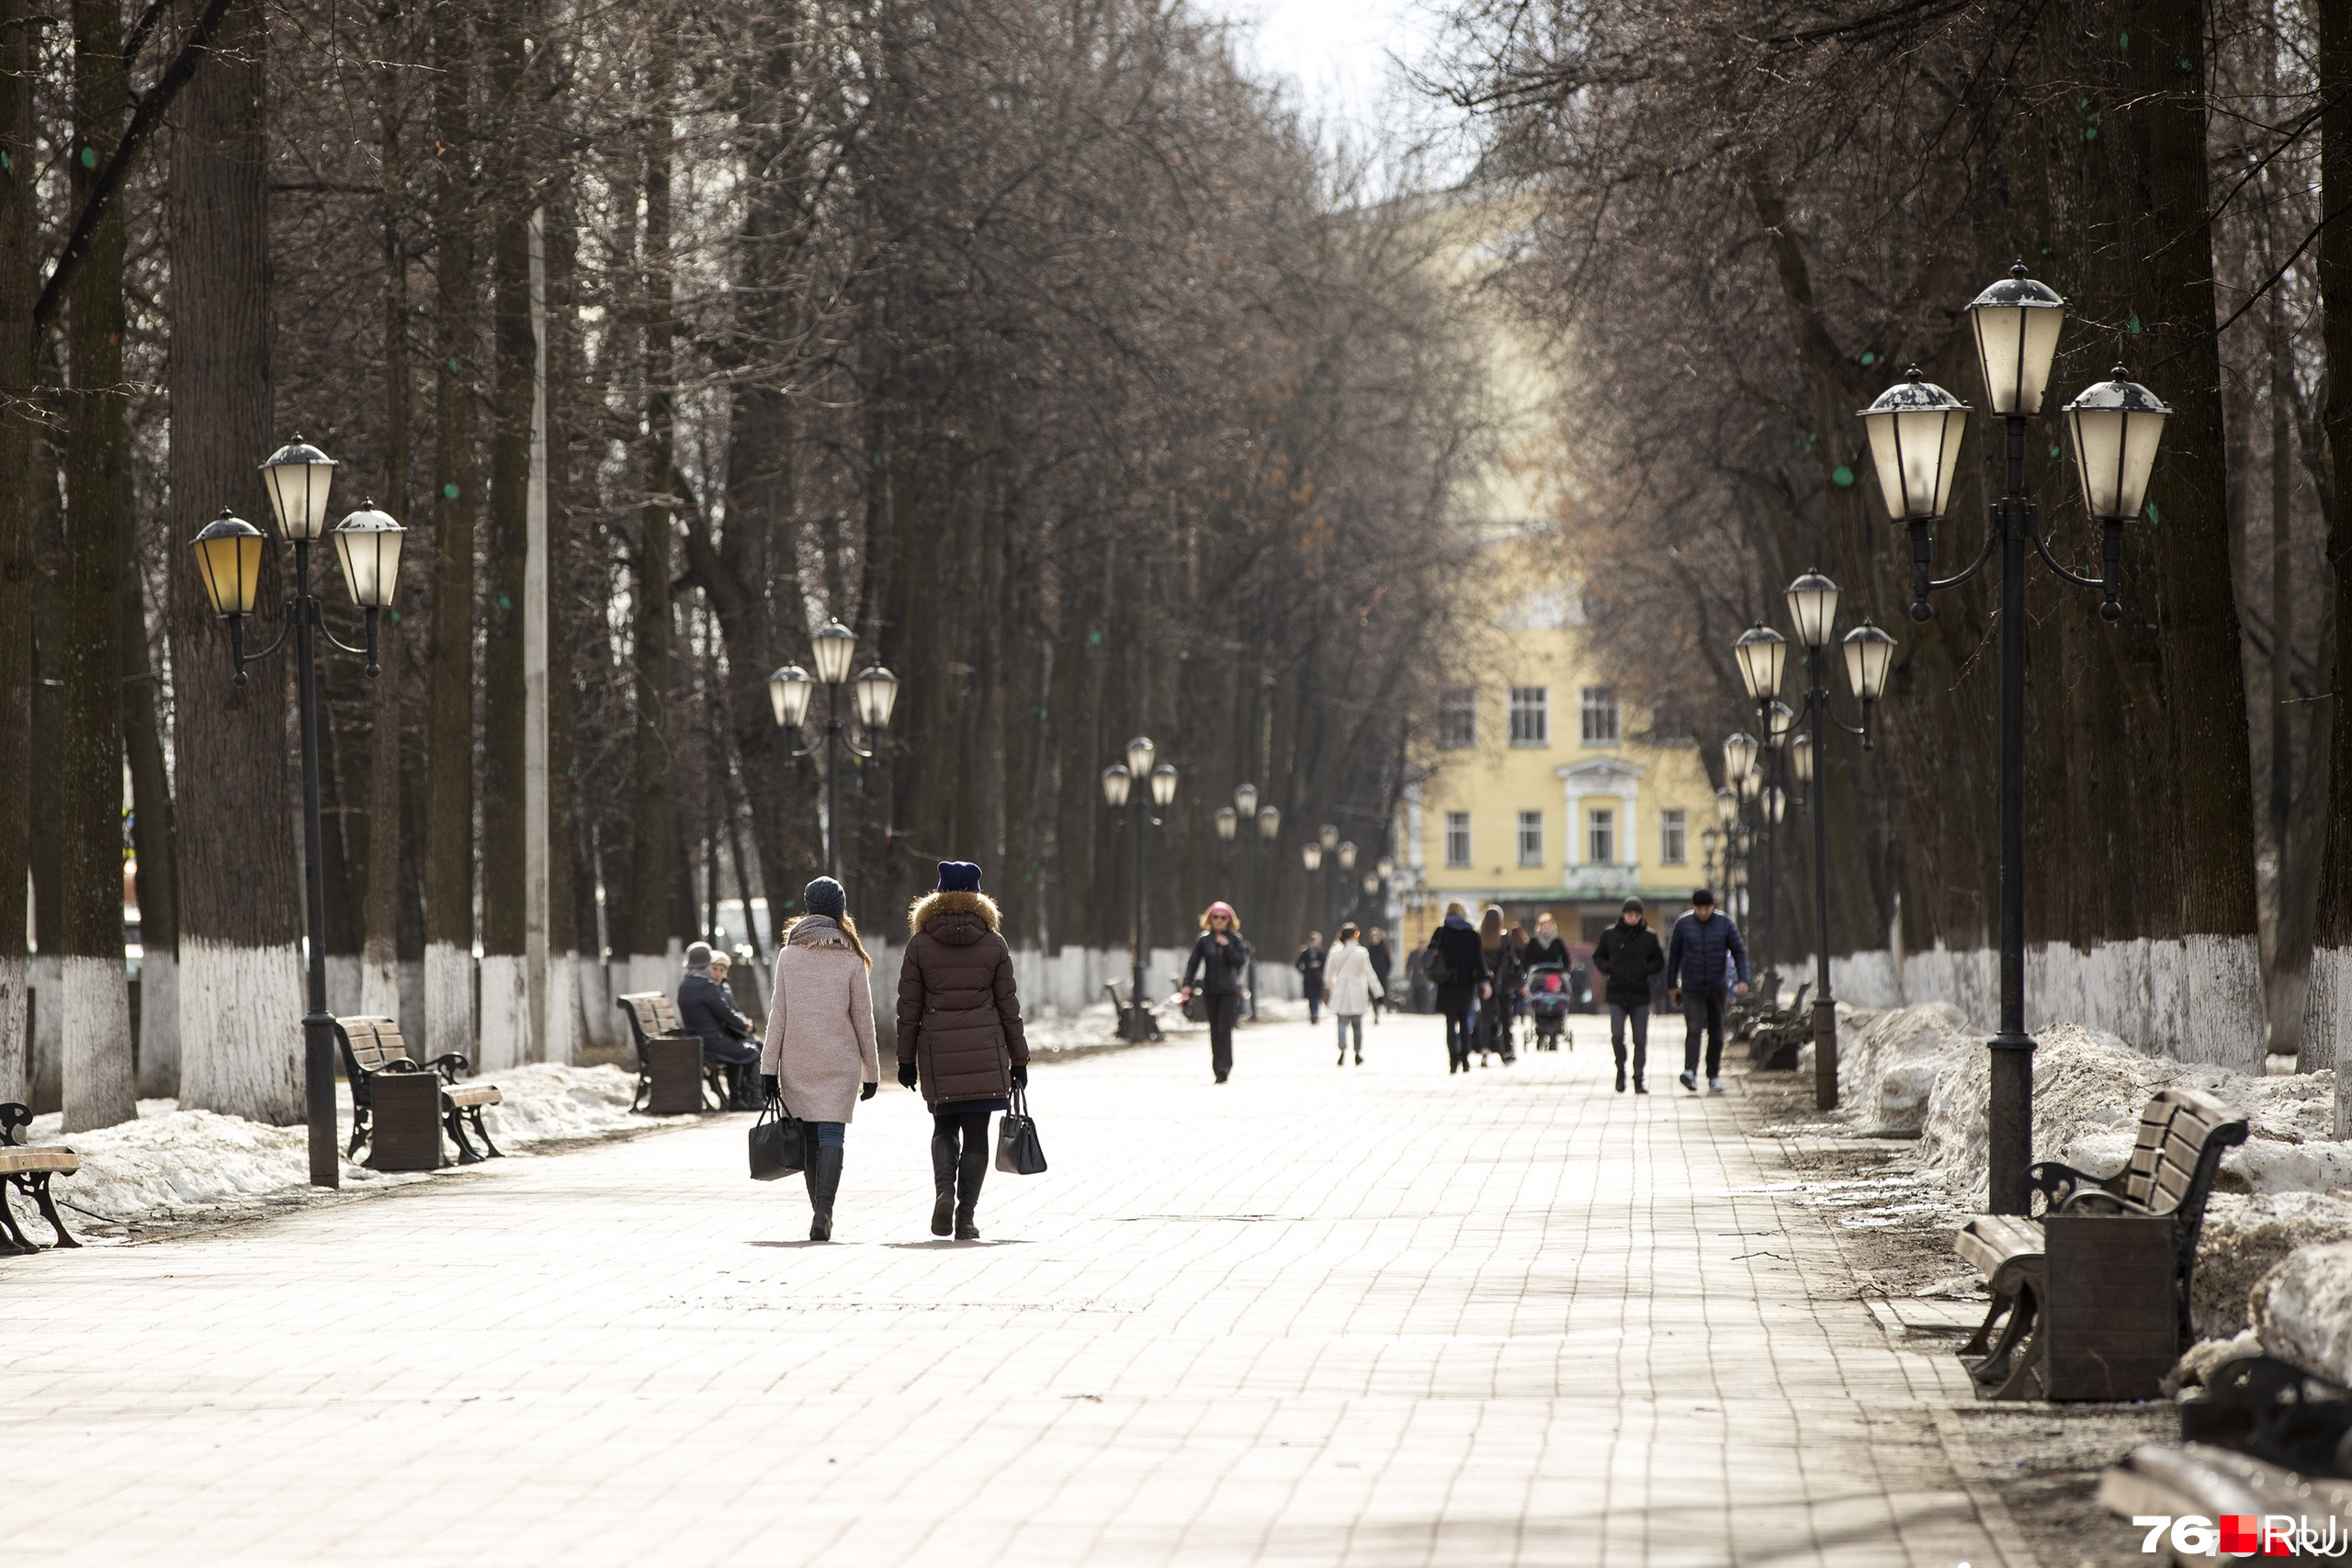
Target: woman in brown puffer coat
x=959, y=1036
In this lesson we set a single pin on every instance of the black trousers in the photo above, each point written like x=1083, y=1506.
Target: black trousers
x=1224, y=1009
x=1457, y=1040
x=959, y=1155
x=1702, y=1011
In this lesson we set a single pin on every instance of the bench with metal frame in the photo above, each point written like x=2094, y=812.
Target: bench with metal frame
x=2183, y=1134
x=653, y=1018
x=28, y=1171
x=372, y=1048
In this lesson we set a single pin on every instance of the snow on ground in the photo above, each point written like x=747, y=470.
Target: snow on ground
x=173, y=1164
x=1096, y=1026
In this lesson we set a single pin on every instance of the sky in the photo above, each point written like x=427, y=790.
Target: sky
x=1339, y=55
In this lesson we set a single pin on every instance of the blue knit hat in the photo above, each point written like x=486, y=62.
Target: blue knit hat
x=825, y=896
x=959, y=877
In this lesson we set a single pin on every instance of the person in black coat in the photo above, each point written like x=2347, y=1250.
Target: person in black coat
x=707, y=1011
x=1220, y=959
x=1309, y=965
x=1629, y=957
x=1498, y=1005
x=1376, y=948
x=1454, y=955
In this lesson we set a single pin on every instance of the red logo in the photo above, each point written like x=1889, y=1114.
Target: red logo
x=2242, y=1534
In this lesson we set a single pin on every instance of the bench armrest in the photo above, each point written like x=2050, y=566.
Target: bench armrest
x=13, y=1119
x=2059, y=1182
x=2098, y=1200
x=397, y=1065
x=452, y=1066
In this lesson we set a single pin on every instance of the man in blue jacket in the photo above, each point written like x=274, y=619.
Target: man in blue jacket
x=1695, y=963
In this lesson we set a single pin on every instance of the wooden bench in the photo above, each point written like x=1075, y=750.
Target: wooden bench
x=373, y=1050
x=2122, y=1327
x=661, y=1038
x=28, y=1171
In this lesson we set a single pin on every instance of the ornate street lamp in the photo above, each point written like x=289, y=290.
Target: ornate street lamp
x=1739, y=755
x=1270, y=825
x=1226, y=819
x=1118, y=786
x=832, y=648
x=368, y=546
x=1760, y=651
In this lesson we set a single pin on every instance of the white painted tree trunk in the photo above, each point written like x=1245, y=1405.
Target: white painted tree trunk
x=506, y=1012
x=46, y=1000
x=379, y=985
x=159, y=1026
x=449, y=1000
x=241, y=1030
x=97, y=1078
x=2223, y=1024
x=345, y=979
x=2327, y=1026
x=16, y=1040
x=566, y=1018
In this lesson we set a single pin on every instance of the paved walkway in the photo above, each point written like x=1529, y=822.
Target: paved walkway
x=1316, y=1317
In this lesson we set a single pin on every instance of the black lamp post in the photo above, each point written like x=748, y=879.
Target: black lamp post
x=228, y=555
x=1230, y=827
x=1915, y=430
x=834, y=648
x=1118, y=783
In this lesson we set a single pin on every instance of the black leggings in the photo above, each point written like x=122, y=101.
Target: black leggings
x=960, y=1171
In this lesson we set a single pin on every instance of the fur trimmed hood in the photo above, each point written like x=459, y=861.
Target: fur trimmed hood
x=933, y=906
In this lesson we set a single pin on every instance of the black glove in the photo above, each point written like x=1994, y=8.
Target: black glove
x=868, y=1091
x=907, y=1075
x=1020, y=1074
x=769, y=1087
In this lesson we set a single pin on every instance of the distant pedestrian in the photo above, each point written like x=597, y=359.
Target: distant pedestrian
x=1309, y=965
x=1220, y=961
x=1546, y=952
x=820, y=1058
x=1546, y=947
x=1355, y=989
x=1704, y=952
x=1497, y=1004
x=1458, y=969
x=1384, y=964
x=1628, y=957
x=960, y=1039
x=707, y=1011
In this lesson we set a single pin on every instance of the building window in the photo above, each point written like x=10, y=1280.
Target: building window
x=1530, y=716
x=1600, y=713
x=1530, y=838
x=1457, y=838
x=1457, y=716
x=1674, y=839
x=1600, y=836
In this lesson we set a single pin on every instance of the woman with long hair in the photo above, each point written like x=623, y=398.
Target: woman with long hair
x=1220, y=959
x=820, y=1059
x=1499, y=956
x=1457, y=966
x=960, y=1039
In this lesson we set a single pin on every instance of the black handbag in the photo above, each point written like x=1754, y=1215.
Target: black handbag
x=777, y=1143
x=1017, y=1148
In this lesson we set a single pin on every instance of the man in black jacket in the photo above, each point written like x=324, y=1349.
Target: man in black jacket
x=1628, y=955
x=1309, y=965
x=1706, y=945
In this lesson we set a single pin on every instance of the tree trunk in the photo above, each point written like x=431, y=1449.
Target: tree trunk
x=449, y=725
x=566, y=1000
x=19, y=286
x=241, y=973
x=2327, y=1007
x=380, y=977
x=152, y=839
x=653, y=850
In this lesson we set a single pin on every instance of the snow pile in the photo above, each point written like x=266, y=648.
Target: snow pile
x=545, y=1101
x=2244, y=1238
x=1891, y=1060
x=2303, y=1310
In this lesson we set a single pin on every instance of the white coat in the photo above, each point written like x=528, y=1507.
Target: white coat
x=1348, y=984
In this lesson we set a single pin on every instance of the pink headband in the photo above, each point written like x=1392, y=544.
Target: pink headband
x=1221, y=908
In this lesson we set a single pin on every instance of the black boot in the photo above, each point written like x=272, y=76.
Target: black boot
x=745, y=1080
x=970, y=1171
x=943, y=1179
x=824, y=1182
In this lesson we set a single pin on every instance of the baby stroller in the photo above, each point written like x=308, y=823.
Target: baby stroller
x=1547, y=1000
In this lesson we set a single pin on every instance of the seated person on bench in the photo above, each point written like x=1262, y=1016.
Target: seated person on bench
x=707, y=1011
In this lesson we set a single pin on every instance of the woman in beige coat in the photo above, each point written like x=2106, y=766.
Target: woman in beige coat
x=820, y=1057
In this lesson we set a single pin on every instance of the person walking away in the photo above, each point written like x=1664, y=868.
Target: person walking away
x=820, y=1058
x=1309, y=965
x=1704, y=952
x=1546, y=949
x=1629, y=958
x=1355, y=988
x=1500, y=957
x=1219, y=964
x=1458, y=968
x=1382, y=960
x=707, y=1011
x=960, y=1039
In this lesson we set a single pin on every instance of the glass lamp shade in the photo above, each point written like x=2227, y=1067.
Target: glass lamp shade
x=1870, y=653
x=788, y=693
x=1727, y=806
x=228, y=556
x=1801, y=757
x=1761, y=652
x=2116, y=426
x=1310, y=855
x=878, y=694
x=1347, y=857
x=1245, y=799
x=1386, y=867
x=1116, y=781
x=1140, y=751
x=1270, y=822
x=1227, y=821
x=1749, y=782
x=1711, y=840
x=297, y=475
x=1915, y=429
x=1813, y=608
x=368, y=543
x=1739, y=753
x=1371, y=883
x=1780, y=722
x=1163, y=785
x=1328, y=836
x=832, y=648
x=2017, y=323
x=1776, y=803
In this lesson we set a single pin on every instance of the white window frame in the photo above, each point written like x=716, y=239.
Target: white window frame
x=1457, y=850
x=1600, y=835
x=1530, y=838
x=1600, y=722
x=1457, y=719
x=1530, y=716
x=1673, y=837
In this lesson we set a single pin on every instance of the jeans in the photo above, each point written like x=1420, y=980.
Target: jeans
x=1640, y=1015
x=1457, y=1040
x=1345, y=1020
x=1223, y=1009
x=826, y=1134
x=1702, y=1010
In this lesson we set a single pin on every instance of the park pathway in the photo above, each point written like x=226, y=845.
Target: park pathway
x=1373, y=1316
